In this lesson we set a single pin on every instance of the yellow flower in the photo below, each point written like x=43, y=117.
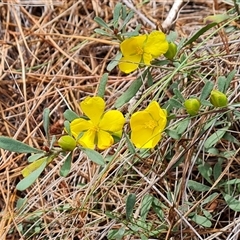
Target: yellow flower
x=100, y=127
x=142, y=49
x=148, y=125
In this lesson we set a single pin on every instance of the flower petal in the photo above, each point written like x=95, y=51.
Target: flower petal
x=133, y=45
x=147, y=58
x=112, y=121
x=105, y=140
x=138, y=120
x=93, y=107
x=145, y=138
x=158, y=114
x=88, y=139
x=130, y=63
x=156, y=44
x=79, y=125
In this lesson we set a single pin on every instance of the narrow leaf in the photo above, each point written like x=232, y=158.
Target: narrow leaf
x=94, y=156
x=116, y=14
x=102, y=85
x=179, y=95
x=70, y=115
x=33, y=166
x=13, y=145
x=197, y=186
x=131, y=92
x=131, y=200
x=206, y=90
x=102, y=23
x=35, y=156
x=46, y=121
x=66, y=167
x=221, y=82
x=233, y=203
x=202, y=221
x=229, y=79
x=146, y=205
x=31, y=178
x=199, y=33
x=215, y=137
x=182, y=126
x=114, y=62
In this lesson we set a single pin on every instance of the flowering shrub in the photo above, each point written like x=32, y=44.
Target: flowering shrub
x=142, y=49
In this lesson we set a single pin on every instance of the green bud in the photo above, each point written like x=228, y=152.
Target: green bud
x=218, y=99
x=67, y=143
x=171, y=52
x=192, y=106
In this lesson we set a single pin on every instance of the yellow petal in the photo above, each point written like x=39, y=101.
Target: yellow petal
x=133, y=45
x=147, y=58
x=158, y=114
x=88, y=139
x=112, y=121
x=138, y=120
x=156, y=44
x=93, y=108
x=105, y=140
x=79, y=125
x=145, y=138
x=130, y=63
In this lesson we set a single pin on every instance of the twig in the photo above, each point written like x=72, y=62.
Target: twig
x=172, y=15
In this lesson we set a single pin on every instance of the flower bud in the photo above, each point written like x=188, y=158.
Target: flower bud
x=67, y=143
x=192, y=106
x=171, y=52
x=218, y=99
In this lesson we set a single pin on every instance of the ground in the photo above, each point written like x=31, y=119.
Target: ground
x=52, y=58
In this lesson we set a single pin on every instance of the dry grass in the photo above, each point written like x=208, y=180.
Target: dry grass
x=50, y=57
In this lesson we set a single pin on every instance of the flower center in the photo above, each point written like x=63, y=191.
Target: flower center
x=139, y=50
x=95, y=129
x=151, y=124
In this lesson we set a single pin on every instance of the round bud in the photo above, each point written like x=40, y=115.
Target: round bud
x=171, y=52
x=192, y=106
x=67, y=143
x=218, y=99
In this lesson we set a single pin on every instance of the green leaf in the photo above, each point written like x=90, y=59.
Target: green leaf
x=233, y=203
x=102, y=23
x=67, y=127
x=231, y=182
x=130, y=93
x=102, y=32
x=131, y=200
x=70, y=115
x=35, y=156
x=114, y=62
x=215, y=137
x=199, y=33
x=197, y=186
x=145, y=206
x=218, y=18
x=66, y=167
x=31, y=178
x=221, y=82
x=130, y=145
x=230, y=77
x=13, y=145
x=33, y=166
x=94, y=156
x=206, y=171
x=202, y=221
x=46, y=121
x=126, y=20
x=217, y=169
x=173, y=134
x=182, y=126
x=210, y=198
x=206, y=90
x=175, y=103
x=102, y=85
x=116, y=14
x=178, y=95
x=20, y=203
